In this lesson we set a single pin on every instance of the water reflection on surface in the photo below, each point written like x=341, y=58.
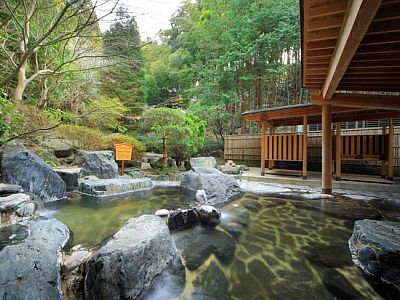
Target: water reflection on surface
x=265, y=248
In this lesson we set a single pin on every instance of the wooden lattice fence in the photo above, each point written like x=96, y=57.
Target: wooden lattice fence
x=247, y=147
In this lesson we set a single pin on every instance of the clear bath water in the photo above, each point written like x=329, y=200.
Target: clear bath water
x=285, y=251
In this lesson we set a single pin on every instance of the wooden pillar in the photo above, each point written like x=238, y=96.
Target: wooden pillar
x=326, y=149
x=338, y=158
x=383, y=162
x=390, y=153
x=305, y=147
x=263, y=148
x=271, y=162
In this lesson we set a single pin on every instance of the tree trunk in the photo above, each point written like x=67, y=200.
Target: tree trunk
x=165, y=154
x=43, y=93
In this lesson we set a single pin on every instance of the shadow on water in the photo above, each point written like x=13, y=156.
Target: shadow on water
x=265, y=248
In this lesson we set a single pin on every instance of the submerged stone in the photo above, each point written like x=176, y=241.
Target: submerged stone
x=211, y=284
x=330, y=256
x=339, y=286
x=252, y=205
x=349, y=209
x=375, y=248
x=197, y=244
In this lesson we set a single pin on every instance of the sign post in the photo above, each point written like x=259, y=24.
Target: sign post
x=123, y=151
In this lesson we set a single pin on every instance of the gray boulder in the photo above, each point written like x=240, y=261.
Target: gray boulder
x=375, y=248
x=7, y=189
x=61, y=148
x=13, y=146
x=96, y=163
x=15, y=207
x=33, y=175
x=71, y=177
x=127, y=265
x=209, y=215
x=185, y=218
x=233, y=170
x=203, y=162
x=219, y=188
x=30, y=259
x=113, y=187
x=155, y=160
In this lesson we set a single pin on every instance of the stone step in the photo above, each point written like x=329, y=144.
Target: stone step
x=100, y=188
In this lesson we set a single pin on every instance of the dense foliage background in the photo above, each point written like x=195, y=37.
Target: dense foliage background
x=219, y=59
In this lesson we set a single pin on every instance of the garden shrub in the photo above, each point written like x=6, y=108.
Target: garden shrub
x=9, y=119
x=82, y=137
x=104, y=114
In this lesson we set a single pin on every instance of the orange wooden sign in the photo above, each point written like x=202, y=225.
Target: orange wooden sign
x=123, y=151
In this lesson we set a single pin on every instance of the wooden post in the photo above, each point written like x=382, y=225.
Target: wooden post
x=338, y=158
x=383, y=162
x=271, y=162
x=123, y=168
x=305, y=147
x=326, y=149
x=391, y=153
x=263, y=150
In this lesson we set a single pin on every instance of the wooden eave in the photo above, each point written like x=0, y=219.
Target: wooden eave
x=294, y=114
x=350, y=45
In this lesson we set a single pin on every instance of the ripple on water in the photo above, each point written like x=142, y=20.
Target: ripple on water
x=265, y=248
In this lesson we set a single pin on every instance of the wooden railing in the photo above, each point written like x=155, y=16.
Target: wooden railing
x=363, y=147
x=366, y=146
x=288, y=147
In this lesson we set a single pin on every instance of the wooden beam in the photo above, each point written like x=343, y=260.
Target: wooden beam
x=272, y=148
x=328, y=9
x=263, y=148
x=383, y=162
x=366, y=101
x=390, y=157
x=305, y=125
x=326, y=150
x=338, y=159
x=359, y=16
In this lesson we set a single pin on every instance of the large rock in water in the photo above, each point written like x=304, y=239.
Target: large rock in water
x=30, y=259
x=105, y=188
x=219, y=188
x=126, y=266
x=203, y=162
x=33, y=175
x=97, y=163
x=375, y=248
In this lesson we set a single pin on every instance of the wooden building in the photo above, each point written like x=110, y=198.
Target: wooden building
x=351, y=66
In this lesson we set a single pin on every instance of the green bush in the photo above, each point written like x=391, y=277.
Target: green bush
x=166, y=171
x=9, y=119
x=138, y=147
x=103, y=114
x=82, y=137
x=211, y=145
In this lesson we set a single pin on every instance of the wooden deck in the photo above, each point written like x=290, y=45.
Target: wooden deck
x=348, y=182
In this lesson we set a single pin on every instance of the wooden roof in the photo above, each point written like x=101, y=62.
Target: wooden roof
x=351, y=45
x=293, y=115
